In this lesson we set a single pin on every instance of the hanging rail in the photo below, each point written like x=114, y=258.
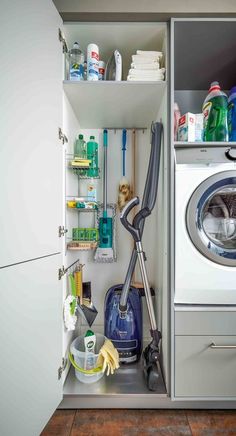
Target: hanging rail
x=70, y=266
x=126, y=128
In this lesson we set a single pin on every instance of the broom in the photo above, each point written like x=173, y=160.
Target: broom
x=104, y=252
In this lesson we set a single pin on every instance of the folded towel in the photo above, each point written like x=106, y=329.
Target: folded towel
x=138, y=72
x=144, y=79
x=145, y=59
x=141, y=75
x=146, y=66
x=149, y=53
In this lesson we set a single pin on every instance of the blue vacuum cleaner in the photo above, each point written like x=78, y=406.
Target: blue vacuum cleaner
x=123, y=306
x=125, y=332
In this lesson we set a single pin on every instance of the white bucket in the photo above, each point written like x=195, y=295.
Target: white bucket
x=77, y=349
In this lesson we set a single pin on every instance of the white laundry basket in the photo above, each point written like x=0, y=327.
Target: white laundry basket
x=77, y=358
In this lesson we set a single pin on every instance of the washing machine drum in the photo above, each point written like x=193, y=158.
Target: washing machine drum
x=211, y=218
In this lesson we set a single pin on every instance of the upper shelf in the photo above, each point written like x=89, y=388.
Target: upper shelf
x=115, y=104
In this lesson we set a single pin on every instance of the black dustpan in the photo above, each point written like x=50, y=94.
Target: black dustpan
x=89, y=313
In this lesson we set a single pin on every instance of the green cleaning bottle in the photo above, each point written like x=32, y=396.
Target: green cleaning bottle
x=92, y=154
x=80, y=150
x=215, y=114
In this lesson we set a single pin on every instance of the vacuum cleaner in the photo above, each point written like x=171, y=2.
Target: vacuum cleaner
x=123, y=313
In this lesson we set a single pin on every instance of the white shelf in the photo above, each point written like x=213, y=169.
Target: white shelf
x=115, y=104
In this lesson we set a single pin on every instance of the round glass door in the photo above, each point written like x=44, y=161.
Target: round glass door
x=211, y=218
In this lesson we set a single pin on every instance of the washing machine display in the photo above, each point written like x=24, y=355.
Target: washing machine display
x=211, y=218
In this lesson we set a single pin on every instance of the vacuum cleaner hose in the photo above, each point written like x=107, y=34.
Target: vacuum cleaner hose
x=149, y=200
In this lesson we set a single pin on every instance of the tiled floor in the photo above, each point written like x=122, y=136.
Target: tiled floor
x=141, y=422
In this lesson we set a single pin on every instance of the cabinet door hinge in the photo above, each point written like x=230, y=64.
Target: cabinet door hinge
x=61, y=272
x=62, y=231
x=62, y=136
x=62, y=367
x=63, y=41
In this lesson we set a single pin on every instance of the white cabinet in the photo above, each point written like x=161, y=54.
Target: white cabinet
x=33, y=184
x=31, y=345
x=31, y=113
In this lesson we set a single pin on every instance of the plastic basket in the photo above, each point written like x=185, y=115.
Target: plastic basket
x=77, y=358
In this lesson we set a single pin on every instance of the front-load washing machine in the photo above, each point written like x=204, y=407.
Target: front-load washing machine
x=205, y=225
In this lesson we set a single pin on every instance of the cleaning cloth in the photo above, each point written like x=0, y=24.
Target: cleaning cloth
x=108, y=358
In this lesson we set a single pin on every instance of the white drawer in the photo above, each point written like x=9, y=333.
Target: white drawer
x=203, y=370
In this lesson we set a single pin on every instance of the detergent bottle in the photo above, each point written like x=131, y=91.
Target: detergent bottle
x=92, y=154
x=232, y=114
x=215, y=114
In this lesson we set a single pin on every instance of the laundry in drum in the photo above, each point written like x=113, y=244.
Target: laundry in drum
x=219, y=220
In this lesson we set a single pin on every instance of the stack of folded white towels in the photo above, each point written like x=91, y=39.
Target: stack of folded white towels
x=146, y=66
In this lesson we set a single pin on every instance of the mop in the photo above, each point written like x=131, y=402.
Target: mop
x=125, y=194
x=104, y=252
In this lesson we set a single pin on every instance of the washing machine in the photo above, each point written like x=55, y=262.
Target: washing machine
x=205, y=225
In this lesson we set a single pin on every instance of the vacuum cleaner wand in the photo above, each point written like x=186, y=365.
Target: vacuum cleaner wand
x=134, y=230
x=149, y=200
x=151, y=353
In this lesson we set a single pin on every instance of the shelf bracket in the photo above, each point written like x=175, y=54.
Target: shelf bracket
x=63, y=41
x=62, y=136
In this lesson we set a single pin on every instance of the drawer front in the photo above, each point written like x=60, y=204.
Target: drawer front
x=203, y=370
x=205, y=323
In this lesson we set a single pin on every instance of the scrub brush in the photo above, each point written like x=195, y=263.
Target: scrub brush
x=70, y=305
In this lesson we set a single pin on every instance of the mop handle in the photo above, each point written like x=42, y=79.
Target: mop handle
x=124, y=132
x=105, y=143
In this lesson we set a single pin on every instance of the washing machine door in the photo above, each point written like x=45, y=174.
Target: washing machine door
x=211, y=218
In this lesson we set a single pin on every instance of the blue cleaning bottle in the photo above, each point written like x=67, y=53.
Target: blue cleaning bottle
x=232, y=114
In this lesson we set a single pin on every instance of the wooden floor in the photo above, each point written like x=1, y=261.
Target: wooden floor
x=141, y=422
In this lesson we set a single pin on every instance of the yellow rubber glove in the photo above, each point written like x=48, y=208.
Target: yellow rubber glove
x=108, y=357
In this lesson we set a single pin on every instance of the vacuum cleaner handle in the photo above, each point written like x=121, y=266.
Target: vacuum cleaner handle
x=124, y=218
x=134, y=228
x=149, y=199
x=140, y=217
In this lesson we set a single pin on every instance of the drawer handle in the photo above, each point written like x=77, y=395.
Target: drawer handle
x=222, y=347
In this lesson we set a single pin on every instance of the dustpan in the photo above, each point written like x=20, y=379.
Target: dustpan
x=89, y=313
x=86, y=308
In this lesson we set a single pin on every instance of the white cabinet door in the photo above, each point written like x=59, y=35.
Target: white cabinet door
x=30, y=115
x=31, y=345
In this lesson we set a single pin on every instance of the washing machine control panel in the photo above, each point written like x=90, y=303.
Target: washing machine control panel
x=206, y=155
